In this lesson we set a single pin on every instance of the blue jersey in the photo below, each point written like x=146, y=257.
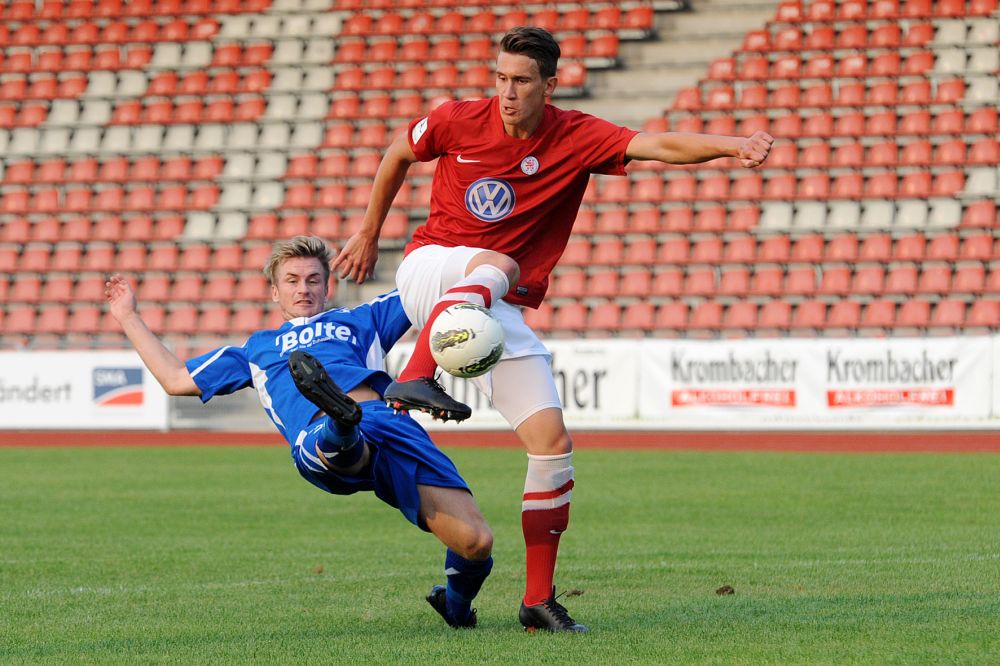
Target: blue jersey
x=350, y=343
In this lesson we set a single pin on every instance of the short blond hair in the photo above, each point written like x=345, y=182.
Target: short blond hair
x=299, y=246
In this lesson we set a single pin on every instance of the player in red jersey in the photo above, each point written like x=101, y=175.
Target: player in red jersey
x=511, y=174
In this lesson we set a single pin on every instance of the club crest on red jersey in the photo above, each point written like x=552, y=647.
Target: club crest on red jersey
x=529, y=165
x=490, y=199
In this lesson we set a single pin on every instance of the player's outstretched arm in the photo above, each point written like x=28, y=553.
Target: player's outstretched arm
x=356, y=261
x=685, y=148
x=169, y=370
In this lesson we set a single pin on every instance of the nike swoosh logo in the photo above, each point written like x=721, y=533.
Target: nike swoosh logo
x=462, y=160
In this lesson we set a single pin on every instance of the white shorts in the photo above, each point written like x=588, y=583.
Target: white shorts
x=518, y=389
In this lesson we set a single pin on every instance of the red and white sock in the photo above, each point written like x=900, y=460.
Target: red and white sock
x=548, y=488
x=484, y=285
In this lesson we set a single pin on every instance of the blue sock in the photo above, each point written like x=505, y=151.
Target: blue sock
x=465, y=577
x=339, y=443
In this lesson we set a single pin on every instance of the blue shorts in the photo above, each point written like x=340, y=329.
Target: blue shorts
x=402, y=457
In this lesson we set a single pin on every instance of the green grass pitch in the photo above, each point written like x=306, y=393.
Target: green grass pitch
x=223, y=555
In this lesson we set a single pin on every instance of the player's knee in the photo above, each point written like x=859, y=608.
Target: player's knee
x=510, y=267
x=481, y=545
x=476, y=543
x=552, y=443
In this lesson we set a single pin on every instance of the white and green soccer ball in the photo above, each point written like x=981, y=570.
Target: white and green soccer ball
x=466, y=340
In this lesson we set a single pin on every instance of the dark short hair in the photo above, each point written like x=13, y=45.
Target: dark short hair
x=536, y=43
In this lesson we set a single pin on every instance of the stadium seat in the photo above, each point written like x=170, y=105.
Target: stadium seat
x=876, y=247
x=84, y=319
x=913, y=314
x=801, y=281
x=775, y=249
x=808, y=248
x=775, y=314
x=668, y=282
x=842, y=248
x=187, y=288
x=948, y=313
x=734, y=282
x=636, y=283
x=706, y=315
x=868, y=280
x=214, y=320
x=934, y=279
x=768, y=281
x=570, y=317
x=844, y=314
x=740, y=315
x=700, y=282
x=901, y=279
x=835, y=281
x=570, y=283
x=969, y=279
x=984, y=313
x=605, y=317
x=638, y=316
x=740, y=249
x=182, y=319
x=880, y=314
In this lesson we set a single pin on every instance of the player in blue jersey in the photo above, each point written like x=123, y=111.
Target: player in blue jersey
x=327, y=403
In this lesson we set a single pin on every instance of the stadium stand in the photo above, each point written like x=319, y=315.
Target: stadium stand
x=175, y=140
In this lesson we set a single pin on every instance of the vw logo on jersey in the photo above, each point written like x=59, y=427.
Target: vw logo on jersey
x=490, y=199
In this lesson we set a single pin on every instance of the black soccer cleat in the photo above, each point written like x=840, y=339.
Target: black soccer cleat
x=439, y=602
x=425, y=395
x=550, y=615
x=315, y=384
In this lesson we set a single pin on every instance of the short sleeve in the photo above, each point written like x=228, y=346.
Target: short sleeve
x=600, y=145
x=220, y=372
x=427, y=135
x=390, y=319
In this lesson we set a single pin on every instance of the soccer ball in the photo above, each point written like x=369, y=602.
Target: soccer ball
x=466, y=340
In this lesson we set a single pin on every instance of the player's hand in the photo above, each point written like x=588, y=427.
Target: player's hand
x=356, y=261
x=753, y=151
x=121, y=298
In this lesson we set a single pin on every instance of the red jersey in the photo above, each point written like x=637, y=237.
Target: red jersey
x=515, y=196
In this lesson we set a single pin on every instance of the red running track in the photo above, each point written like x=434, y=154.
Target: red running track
x=801, y=441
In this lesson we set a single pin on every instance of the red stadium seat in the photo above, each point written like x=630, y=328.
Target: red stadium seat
x=901, y=280
x=844, y=314
x=707, y=315
x=935, y=279
x=740, y=315
x=979, y=214
x=672, y=316
x=570, y=317
x=637, y=283
x=605, y=316
x=910, y=248
x=868, y=280
x=913, y=314
x=969, y=279
x=984, y=314
x=948, y=313
x=775, y=314
x=668, y=282
x=943, y=247
x=641, y=252
x=809, y=315
x=836, y=281
x=801, y=281
x=878, y=314
x=638, y=316
x=768, y=281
